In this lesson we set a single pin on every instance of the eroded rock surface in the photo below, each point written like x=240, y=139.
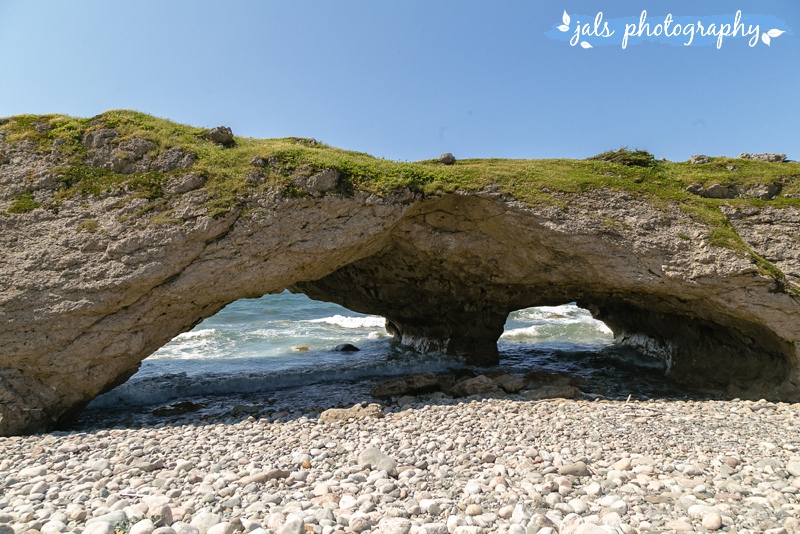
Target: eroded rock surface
x=93, y=287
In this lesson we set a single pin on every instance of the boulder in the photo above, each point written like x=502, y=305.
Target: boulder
x=699, y=159
x=319, y=183
x=346, y=347
x=509, y=383
x=221, y=135
x=415, y=384
x=480, y=385
x=447, y=159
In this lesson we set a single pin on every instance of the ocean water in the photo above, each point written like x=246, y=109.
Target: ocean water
x=279, y=349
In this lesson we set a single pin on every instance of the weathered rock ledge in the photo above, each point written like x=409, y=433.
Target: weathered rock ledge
x=96, y=283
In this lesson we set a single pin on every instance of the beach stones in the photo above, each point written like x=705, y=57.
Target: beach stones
x=485, y=465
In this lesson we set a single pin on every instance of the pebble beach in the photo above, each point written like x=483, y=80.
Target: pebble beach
x=430, y=465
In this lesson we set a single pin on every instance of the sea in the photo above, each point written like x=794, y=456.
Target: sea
x=278, y=352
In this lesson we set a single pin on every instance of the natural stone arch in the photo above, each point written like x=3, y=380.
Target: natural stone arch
x=84, y=310
x=93, y=284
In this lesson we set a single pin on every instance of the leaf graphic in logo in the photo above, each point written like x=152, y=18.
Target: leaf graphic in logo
x=564, y=28
x=565, y=18
x=775, y=32
x=584, y=44
x=765, y=38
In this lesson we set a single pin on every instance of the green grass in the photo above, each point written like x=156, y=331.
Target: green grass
x=23, y=203
x=534, y=182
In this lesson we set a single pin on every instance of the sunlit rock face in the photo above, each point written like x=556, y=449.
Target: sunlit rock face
x=94, y=287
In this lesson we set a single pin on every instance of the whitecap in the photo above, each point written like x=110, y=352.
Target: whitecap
x=371, y=321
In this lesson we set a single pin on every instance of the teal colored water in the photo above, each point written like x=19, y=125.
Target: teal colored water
x=283, y=344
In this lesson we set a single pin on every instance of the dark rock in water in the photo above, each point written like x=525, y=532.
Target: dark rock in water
x=464, y=373
x=179, y=408
x=407, y=385
x=221, y=135
x=447, y=159
x=346, y=347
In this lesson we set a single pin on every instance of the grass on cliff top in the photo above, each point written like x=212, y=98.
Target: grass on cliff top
x=530, y=181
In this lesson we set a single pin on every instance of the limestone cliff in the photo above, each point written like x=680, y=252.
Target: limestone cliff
x=122, y=231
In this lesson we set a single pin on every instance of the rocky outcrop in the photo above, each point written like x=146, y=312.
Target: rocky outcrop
x=93, y=284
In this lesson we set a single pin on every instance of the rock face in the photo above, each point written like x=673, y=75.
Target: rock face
x=94, y=287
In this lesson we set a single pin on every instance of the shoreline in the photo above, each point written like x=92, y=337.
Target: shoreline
x=465, y=465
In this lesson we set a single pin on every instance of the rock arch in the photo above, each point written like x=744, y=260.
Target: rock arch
x=82, y=310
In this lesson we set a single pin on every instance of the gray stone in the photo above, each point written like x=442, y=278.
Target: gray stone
x=379, y=460
x=319, y=183
x=447, y=159
x=258, y=161
x=699, y=159
x=577, y=469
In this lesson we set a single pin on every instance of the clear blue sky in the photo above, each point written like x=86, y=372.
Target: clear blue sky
x=408, y=79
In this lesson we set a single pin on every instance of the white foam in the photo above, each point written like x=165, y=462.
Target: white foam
x=196, y=333
x=371, y=321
